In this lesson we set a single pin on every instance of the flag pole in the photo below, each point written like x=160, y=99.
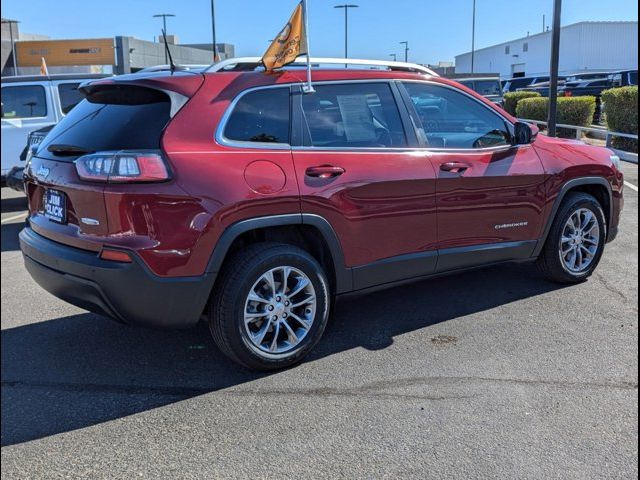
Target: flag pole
x=308, y=88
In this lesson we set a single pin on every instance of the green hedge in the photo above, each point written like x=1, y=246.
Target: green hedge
x=511, y=100
x=571, y=111
x=621, y=112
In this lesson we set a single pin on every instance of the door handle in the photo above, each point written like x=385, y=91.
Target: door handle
x=324, y=171
x=454, y=167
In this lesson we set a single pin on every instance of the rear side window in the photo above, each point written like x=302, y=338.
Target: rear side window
x=260, y=116
x=116, y=118
x=24, y=101
x=356, y=115
x=69, y=95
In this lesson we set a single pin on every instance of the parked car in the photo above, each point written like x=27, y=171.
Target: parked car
x=15, y=177
x=542, y=87
x=488, y=87
x=624, y=78
x=30, y=103
x=514, y=84
x=234, y=197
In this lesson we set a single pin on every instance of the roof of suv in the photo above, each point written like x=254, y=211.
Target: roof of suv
x=60, y=76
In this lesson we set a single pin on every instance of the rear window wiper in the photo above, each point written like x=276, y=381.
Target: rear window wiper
x=68, y=150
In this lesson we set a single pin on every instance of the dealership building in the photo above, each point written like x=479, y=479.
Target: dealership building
x=584, y=47
x=97, y=55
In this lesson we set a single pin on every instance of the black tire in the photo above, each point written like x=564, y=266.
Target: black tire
x=549, y=262
x=227, y=304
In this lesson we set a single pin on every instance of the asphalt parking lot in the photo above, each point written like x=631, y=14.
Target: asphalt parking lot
x=494, y=373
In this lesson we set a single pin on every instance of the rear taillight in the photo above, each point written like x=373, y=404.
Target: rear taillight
x=568, y=93
x=122, y=167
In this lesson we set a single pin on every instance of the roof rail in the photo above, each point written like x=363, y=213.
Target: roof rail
x=245, y=64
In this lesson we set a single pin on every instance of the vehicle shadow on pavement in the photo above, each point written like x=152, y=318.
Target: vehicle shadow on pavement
x=81, y=370
x=9, y=236
x=13, y=204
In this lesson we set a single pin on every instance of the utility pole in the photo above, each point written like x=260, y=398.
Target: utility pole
x=544, y=22
x=555, y=61
x=164, y=29
x=406, y=50
x=346, y=7
x=473, y=38
x=395, y=57
x=13, y=44
x=213, y=31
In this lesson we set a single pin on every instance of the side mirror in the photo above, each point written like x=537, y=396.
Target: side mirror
x=522, y=134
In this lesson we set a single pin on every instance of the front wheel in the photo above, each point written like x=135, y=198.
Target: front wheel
x=576, y=241
x=270, y=306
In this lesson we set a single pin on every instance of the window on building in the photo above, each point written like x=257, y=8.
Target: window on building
x=356, y=115
x=507, y=50
x=260, y=116
x=450, y=119
x=26, y=101
x=525, y=47
x=69, y=96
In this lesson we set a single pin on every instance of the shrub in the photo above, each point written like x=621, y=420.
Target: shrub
x=571, y=111
x=621, y=111
x=511, y=100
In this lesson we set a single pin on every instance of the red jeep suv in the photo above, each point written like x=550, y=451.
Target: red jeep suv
x=240, y=198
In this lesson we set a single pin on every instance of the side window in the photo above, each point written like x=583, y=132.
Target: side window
x=69, y=96
x=355, y=115
x=24, y=101
x=260, y=116
x=451, y=119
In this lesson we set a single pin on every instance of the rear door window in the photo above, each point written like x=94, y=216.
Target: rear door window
x=122, y=119
x=24, y=101
x=355, y=115
x=69, y=95
x=261, y=116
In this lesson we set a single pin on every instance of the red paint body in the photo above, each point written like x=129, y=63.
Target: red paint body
x=385, y=204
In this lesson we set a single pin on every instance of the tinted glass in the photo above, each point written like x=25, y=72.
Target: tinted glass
x=27, y=101
x=356, y=115
x=487, y=87
x=633, y=78
x=100, y=126
x=260, y=116
x=451, y=119
x=69, y=96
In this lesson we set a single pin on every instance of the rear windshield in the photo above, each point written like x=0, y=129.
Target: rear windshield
x=123, y=119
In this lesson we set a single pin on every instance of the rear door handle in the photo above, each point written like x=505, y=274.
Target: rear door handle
x=454, y=167
x=324, y=171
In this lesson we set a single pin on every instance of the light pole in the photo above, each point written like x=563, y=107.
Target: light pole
x=13, y=44
x=346, y=7
x=406, y=50
x=555, y=60
x=473, y=38
x=164, y=29
x=395, y=57
x=213, y=31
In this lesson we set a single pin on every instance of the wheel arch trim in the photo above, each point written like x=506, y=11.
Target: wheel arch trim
x=576, y=182
x=343, y=275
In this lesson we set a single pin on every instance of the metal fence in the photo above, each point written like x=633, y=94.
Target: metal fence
x=627, y=156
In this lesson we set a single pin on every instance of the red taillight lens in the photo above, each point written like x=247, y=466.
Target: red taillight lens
x=115, y=255
x=568, y=93
x=122, y=167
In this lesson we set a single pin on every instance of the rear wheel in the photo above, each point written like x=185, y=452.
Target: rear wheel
x=576, y=240
x=270, y=306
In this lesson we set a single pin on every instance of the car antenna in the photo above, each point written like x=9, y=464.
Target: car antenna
x=172, y=66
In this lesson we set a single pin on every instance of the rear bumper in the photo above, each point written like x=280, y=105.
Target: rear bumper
x=127, y=292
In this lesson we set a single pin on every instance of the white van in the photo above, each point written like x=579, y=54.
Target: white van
x=33, y=102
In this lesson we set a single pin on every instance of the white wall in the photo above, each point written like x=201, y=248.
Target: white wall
x=583, y=46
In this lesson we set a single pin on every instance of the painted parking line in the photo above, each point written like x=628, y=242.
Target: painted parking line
x=15, y=217
x=631, y=186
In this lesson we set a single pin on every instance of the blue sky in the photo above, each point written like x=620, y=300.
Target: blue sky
x=436, y=29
